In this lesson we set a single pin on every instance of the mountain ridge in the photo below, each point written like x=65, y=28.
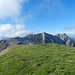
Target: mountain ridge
x=40, y=38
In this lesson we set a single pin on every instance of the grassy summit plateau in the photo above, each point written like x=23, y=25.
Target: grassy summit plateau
x=47, y=59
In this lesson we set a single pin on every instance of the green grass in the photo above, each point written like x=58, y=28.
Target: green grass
x=48, y=59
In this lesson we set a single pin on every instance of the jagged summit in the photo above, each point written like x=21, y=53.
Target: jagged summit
x=40, y=38
x=58, y=34
x=68, y=41
x=64, y=34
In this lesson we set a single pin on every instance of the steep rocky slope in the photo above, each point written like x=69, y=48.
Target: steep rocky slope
x=40, y=38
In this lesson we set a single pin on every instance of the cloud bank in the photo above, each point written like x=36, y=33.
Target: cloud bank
x=69, y=28
x=9, y=30
x=10, y=8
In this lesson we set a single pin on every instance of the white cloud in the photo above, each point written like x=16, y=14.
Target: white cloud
x=72, y=34
x=50, y=5
x=8, y=30
x=21, y=20
x=69, y=28
x=10, y=8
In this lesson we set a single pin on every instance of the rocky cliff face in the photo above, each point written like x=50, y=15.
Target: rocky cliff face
x=67, y=40
x=40, y=38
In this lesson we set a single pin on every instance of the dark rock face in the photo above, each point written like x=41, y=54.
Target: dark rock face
x=34, y=39
x=40, y=38
x=6, y=43
x=3, y=45
x=67, y=40
x=52, y=39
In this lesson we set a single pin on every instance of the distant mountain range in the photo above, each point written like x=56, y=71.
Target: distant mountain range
x=40, y=38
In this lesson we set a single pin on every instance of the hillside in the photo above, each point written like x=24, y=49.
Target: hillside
x=47, y=59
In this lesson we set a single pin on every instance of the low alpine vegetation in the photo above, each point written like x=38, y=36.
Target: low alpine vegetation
x=42, y=59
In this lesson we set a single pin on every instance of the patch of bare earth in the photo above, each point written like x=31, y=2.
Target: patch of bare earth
x=70, y=61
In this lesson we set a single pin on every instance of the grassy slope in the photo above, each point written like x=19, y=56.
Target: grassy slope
x=50, y=59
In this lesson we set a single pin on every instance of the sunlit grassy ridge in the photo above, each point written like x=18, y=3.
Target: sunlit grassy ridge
x=48, y=59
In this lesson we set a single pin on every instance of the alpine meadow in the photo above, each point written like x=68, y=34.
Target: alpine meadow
x=47, y=59
x=37, y=37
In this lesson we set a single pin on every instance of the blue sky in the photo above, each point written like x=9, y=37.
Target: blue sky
x=22, y=17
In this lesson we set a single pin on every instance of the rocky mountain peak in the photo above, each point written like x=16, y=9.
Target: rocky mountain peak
x=40, y=38
x=64, y=34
